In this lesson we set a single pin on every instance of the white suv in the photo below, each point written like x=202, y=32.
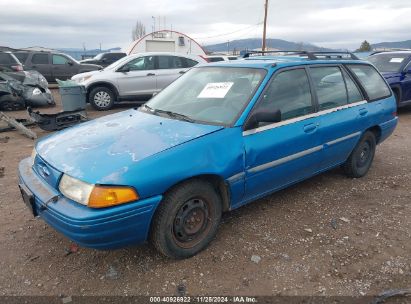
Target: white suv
x=134, y=77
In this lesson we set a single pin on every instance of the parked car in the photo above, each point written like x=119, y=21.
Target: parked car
x=31, y=91
x=217, y=138
x=53, y=65
x=10, y=65
x=396, y=69
x=135, y=77
x=104, y=59
x=217, y=58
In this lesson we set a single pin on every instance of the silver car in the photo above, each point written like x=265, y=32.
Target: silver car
x=134, y=77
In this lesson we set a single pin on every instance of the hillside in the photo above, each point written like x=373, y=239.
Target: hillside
x=396, y=45
x=255, y=43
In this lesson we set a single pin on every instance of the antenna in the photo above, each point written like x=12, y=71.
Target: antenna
x=265, y=25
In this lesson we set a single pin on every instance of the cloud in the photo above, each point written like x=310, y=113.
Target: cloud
x=329, y=23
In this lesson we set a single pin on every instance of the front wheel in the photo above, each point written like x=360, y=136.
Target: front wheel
x=360, y=160
x=101, y=98
x=186, y=220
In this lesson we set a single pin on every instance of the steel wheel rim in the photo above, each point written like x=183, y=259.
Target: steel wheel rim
x=102, y=99
x=364, y=155
x=192, y=222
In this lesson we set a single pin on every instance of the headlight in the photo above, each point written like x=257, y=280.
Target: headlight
x=96, y=196
x=33, y=156
x=75, y=189
x=37, y=91
x=82, y=79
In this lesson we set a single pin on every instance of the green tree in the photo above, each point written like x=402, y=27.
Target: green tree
x=365, y=46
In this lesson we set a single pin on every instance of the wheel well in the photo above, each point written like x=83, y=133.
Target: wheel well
x=217, y=182
x=377, y=132
x=397, y=92
x=102, y=84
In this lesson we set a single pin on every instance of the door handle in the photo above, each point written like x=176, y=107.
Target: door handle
x=363, y=111
x=310, y=128
x=151, y=74
x=182, y=72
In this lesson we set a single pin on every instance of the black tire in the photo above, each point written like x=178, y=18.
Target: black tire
x=360, y=160
x=101, y=98
x=11, y=102
x=186, y=220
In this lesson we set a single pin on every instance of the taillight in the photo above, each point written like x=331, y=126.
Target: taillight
x=17, y=68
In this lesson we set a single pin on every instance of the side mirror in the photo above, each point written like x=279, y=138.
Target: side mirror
x=124, y=69
x=263, y=115
x=70, y=63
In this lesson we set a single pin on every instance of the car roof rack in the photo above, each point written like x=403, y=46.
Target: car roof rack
x=311, y=55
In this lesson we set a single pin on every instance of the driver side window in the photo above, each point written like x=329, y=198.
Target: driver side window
x=290, y=93
x=141, y=64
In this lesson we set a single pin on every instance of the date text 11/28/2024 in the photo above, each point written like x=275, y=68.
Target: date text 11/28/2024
x=203, y=299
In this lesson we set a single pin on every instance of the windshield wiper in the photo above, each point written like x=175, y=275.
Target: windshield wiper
x=170, y=114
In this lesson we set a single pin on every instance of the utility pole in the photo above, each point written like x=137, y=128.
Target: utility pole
x=265, y=24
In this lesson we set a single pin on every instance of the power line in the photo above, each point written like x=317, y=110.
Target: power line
x=230, y=33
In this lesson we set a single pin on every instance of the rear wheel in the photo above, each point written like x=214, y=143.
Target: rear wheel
x=101, y=98
x=186, y=220
x=360, y=160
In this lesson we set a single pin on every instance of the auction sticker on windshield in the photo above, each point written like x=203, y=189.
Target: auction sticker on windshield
x=397, y=60
x=215, y=90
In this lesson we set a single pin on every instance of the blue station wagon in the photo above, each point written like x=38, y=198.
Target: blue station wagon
x=221, y=136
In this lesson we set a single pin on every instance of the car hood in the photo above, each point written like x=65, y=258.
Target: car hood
x=81, y=75
x=95, y=150
x=91, y=66
x=87, y=61
x=388, y=75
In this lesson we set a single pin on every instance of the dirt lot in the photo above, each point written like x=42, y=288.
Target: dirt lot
x=330, y=235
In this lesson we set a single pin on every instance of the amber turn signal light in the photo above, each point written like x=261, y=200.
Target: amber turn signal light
x=106, y=196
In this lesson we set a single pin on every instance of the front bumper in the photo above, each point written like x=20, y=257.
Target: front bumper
x=105, y=228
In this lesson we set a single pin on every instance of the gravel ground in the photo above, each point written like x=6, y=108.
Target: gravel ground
x=329, y=235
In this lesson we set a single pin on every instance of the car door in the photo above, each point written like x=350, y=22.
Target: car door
x=406, y=83
x=285, y=152
x=169, y=68
x=137, y=77
x=62, y=67
x=41, y=63
x=342, y=111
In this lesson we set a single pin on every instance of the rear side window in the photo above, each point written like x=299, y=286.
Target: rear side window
x=215, y=59
x=290, y=93
x=372, y=82
x=22, y=57
x=190, y=63
x=40, y=59
x=6, y=58
x=354, y=93
x=330, y=87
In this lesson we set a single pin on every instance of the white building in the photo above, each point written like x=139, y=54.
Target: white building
x=166, y=41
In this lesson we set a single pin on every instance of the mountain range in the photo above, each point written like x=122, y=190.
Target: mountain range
x=395, y=45
x=255, y=43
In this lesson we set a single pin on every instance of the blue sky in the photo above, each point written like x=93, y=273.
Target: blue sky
x=328, y=23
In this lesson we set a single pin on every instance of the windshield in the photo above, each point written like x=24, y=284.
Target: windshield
x=214, y=95
x=388, y=62
x=118, y=62
x=98, y=56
